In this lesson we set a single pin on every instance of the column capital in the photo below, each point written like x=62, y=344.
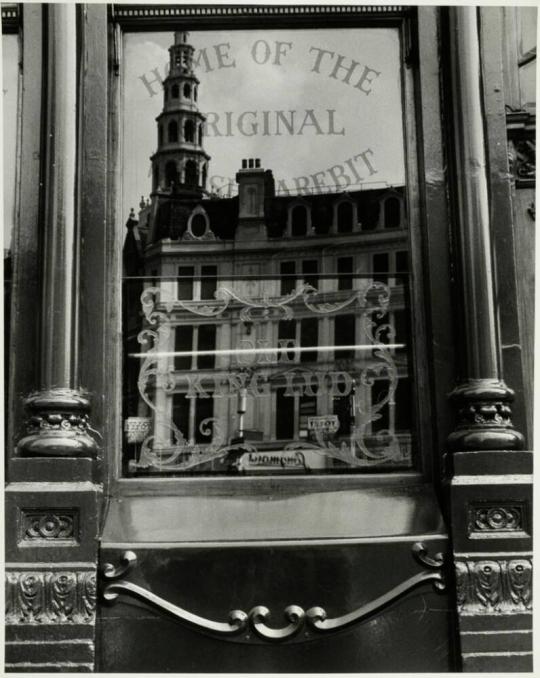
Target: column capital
x=58, y=425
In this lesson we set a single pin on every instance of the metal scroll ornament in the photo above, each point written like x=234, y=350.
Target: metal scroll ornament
x=156, y=376
x=254, y=625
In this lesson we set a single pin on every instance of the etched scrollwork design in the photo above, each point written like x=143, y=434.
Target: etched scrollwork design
x=367, y=444
x=315, y=619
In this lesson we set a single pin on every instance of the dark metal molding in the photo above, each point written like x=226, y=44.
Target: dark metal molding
x=252, y=626
x=161, y=17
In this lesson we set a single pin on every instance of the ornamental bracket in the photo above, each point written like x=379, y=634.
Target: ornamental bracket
x=252, y=626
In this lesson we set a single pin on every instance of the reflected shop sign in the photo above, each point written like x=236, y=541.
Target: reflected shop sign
x=321, y=108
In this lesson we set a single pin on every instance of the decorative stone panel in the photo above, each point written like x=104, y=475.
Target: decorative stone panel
x=494, y=585
x=51, y=526
x=50, y=597
x=487, y=519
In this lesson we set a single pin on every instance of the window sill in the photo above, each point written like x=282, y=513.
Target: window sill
x=276, y=512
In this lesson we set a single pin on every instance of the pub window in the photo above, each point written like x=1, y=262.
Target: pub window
x=257, y=357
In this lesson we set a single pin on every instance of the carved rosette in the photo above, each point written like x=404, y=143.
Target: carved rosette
x=61, y=597
x=484, y=417
x=49, y=525
x=490, y=519
x=58, y=425
x=494, y=585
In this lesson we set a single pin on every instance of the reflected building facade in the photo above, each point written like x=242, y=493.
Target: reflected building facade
x=276, y=321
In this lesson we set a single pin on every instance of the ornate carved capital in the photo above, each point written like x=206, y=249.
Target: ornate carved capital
x=484, y=417
x=58, y=425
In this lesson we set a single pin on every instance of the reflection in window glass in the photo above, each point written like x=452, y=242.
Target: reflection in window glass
x=271, y=332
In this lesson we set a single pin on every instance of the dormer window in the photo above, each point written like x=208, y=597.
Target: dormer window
x=198, y=226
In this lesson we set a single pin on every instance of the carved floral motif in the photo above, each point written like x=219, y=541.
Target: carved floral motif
x=46, y=524
x=61, y=597
x=496, y=518
x=494, y=585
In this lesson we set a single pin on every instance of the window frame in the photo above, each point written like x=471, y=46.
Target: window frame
x=427, y=217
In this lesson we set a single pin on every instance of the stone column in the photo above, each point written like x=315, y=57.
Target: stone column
x=52, y=497
x=490, y=487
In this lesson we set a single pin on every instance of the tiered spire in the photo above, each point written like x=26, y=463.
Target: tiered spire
x=180, y=164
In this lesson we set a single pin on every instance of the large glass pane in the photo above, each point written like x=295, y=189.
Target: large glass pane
x=267, y=267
